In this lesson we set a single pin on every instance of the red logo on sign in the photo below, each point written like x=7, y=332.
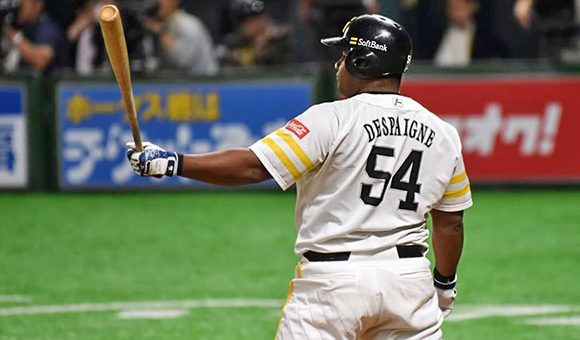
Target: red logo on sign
x=297, y=128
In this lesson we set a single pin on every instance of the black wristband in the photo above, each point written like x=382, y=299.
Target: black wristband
x=442, y=281
x=179, y=164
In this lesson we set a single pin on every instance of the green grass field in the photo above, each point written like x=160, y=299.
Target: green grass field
x=86, y=257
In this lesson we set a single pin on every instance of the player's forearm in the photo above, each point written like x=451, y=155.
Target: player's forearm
x=236, y=166
x=447, y=245
x=447, y=241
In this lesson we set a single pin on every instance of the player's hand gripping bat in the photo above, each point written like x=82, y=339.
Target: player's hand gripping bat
x=114, y=36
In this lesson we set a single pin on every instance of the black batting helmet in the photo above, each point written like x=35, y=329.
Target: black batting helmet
x=377, y=46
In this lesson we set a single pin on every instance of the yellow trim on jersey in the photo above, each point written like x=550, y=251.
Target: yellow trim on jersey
x=282, y=157
x=297, y=149
x=457, y=193
x=298, y=271
x=458, y=178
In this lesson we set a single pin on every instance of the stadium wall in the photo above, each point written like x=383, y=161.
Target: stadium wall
x=517, y=121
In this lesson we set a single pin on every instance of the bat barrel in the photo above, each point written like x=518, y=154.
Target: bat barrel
x=114, y=37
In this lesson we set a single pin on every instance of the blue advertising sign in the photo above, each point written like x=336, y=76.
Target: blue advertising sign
x=13, y=138
x=184, y=117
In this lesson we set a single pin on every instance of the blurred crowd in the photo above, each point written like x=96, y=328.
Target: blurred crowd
x=202, y=37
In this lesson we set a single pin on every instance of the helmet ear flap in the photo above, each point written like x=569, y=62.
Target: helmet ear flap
x=362, y=63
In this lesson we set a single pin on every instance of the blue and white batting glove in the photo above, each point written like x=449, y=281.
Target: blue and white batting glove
x=153, y=160
x=446, y=292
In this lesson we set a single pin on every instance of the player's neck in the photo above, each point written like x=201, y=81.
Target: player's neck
x=380, y=86
x=380, y=89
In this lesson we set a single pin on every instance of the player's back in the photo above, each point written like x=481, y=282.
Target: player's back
x=390, y=163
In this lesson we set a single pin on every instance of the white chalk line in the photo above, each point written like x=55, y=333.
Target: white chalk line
x=467, y=312
x=177, y=308
x=152, y=314
x=15, y=298
x=554, y=321
x=142, y=305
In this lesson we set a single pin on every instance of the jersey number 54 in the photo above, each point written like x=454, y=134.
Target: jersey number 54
x=413, y=162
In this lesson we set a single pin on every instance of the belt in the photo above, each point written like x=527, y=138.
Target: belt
x=402, y=251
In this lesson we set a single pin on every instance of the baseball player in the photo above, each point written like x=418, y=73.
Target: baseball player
x=369, y=170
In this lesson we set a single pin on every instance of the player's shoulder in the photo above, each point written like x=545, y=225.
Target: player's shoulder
x=332, y=105
x=445, y=127
x=336, y=110
x=335, y=116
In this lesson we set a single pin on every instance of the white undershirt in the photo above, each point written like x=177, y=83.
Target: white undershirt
x=455, y=47
x=86, y=52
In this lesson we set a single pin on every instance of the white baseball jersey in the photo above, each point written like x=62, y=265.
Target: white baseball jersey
x=368, y=169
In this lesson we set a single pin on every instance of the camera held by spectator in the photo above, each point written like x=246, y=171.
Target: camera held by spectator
x=136, y=15
x=8, y=13
x=30, y=39
x=85, y=34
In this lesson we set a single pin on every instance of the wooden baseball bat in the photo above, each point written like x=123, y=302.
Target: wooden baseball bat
x=114, y=36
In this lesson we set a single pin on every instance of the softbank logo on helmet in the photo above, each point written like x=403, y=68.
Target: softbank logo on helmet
x=368, y=43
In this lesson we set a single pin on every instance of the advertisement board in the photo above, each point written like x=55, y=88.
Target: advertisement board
x=13, y=137
x=512, y=129
x=184, y=117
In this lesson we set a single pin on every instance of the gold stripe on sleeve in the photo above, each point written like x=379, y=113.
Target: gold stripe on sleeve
x=457, y=193
x=458, y=178
x=308, y=164
x=282, y=157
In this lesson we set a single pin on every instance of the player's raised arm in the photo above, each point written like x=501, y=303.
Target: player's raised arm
x=235, y=166
x=286, y=155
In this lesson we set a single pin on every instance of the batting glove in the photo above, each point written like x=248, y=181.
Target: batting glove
x=153, y=160
x=446, y=292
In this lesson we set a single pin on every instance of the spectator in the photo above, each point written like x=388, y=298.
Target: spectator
x=425, y=21
x=322, y=17
x=464, y=40
x=62, y=12
x=84, y=33
x=556, y=22
x=185, y=42
x=256, y=40
x=211, y=12
x=32, y=41
x=523, y=12
x=566, y=10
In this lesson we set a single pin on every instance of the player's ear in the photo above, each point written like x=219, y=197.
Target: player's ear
x=363, y=63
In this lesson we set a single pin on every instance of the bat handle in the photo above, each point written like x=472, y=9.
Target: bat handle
x=138, y=142
x=135, y=131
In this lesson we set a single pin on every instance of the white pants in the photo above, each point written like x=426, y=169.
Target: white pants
x=375, y=297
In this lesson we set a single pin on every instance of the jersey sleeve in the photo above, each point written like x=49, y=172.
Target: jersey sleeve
x=457, y=197
x=299, y=147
